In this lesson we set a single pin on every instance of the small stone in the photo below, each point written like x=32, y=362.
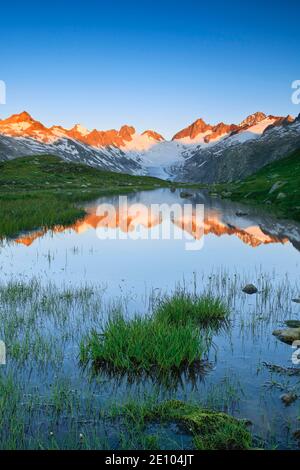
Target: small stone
x=250, y=289
x=297, y=301
x=288, y=398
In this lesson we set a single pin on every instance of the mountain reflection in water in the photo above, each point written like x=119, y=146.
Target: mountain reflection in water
x=253, y=227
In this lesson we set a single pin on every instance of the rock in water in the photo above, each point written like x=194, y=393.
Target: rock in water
x=288, y=398
x=241, y=214
x=297, y=301
x=184, y=194
x=288, y=336
x=250, y=289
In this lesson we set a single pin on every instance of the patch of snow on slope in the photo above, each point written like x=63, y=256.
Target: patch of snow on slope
x=139, y=143
x=163, y=154
x=159, y=159
x=199, y=139
x=58, y=132
x=81, y=129
x=217, y=139
x=252, y=132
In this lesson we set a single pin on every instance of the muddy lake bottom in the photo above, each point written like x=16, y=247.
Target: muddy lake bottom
x=56, y=286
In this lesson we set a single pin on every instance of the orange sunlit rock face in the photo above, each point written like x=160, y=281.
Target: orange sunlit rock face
x=23, y=125
x=257, y=123
x=197, y=127
x=138, y=215
x=128, y=139
x=219, y=131
x=153, y=135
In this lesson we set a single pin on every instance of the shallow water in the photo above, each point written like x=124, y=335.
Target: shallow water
x=240, y=245
x=252, y=243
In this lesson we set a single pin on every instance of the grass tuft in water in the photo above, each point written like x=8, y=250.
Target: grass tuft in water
x=171, y=338
x=183, y=307
x=143, y=344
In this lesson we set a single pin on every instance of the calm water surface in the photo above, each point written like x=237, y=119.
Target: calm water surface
x=240, y=245
x=251, y=243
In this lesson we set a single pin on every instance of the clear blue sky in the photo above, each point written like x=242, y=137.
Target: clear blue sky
x=153, y=64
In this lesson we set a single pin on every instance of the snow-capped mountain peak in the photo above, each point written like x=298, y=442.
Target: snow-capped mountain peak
x=80, y=129
x=17, y=118
x=252, y=126
x=142, y=142
x=193, y=153
x=253, y=119
x=153, y=135
x=126, y=132
x=194, y=132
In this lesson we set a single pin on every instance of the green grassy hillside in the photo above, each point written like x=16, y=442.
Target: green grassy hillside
x=276, y=186
x=43, y=191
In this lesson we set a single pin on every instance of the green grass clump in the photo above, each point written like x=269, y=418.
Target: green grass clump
x=211, y=430
x=40, y=212
x=276, y=186
x=182, y=308
x=12, y=429
x=142, y=344
x=171, y=338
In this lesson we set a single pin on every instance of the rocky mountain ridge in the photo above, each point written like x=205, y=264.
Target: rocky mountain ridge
x=200, y=152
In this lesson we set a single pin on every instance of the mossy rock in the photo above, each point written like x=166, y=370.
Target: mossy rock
x=212, y=430
x=288, y=335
